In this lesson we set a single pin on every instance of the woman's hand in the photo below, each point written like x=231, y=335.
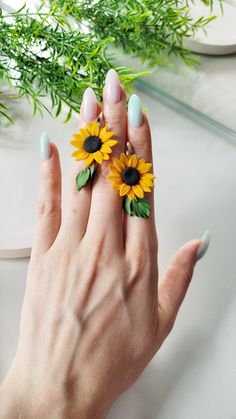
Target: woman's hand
x=93, y=313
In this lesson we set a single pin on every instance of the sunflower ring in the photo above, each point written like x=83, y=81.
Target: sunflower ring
x=131, y=177
x=94, y=144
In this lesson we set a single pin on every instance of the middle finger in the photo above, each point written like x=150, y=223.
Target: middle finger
x=106, y=204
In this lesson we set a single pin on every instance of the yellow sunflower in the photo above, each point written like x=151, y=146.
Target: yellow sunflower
x=93, y=143
x=131, y=176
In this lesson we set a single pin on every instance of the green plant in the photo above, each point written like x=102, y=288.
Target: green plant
x=47, y=53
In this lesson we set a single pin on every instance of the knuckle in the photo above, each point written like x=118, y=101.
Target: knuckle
x=66, y=260
x=104, y=172
x=48, y=206
x=76, y=201
x=141, y=145
x=115, y=118
x=140, y=257
x=140, y=138
x=49, y=178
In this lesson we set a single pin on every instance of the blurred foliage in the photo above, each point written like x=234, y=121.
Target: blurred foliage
x=62, y=49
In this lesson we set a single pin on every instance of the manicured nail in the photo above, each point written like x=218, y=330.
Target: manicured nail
x=135, y=113
x=45, y=147
x=89, y=105
x=112, y=86
x=205, y=241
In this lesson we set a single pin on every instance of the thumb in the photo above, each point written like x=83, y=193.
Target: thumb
x=175, y=283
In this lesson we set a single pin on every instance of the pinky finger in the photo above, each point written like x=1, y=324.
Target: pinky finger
x=49, y=201
x=173, y=287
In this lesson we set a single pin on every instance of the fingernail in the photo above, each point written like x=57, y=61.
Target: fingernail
x=205, y=241
x=89, y=105
x=112, y=86
x=45, y=147
x=135, y=113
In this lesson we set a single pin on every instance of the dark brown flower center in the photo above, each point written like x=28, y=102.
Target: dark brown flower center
x=92, y=144
x=130, y=176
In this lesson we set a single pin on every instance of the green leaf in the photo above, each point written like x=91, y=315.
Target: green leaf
x=68, y=116
x=127, y=205
x=7, y=116
x=139, y=207
x=92, y=169
x=85, y=176
x=150, y=30
x=58, y=108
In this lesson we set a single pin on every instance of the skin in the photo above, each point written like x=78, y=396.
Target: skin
x=94, y=314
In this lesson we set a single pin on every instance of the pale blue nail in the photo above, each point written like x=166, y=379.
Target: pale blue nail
x=205, y=241
x=45, y=148
x=135, y=113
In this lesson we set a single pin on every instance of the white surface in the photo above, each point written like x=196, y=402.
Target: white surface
x=194, y=374
x=208, y=87
x=19, y=162
x=220, y=35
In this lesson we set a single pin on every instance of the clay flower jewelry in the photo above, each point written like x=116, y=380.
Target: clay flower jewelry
x=132, y=177
x=94, y=144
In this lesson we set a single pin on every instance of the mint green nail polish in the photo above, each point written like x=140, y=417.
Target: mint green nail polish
x=135, y=113
x=45, y=148
x=205, y=241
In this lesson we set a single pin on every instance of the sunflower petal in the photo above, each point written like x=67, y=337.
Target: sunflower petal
x=124, y=189
x=105, y=148
x=146, y=186
x=107, y=137
x=146, y=182
x=89, y=159
x=132, y=161
x=146, y=189
x=131, y=194
x=110, y=142
x=114, y=170
x=98, y=156
x=93, y=128
x=148, y=175
x=124, y=159
x=84, y=133
x=145, y=167
x=105, y=156
x=138, y=191
x=141, y=162
x=118, y=164
x=103, y=131
x=115, y=187
x=77, y=143
x=77, y=137
x=81, y=155
x=96, y=128
x=114, y=178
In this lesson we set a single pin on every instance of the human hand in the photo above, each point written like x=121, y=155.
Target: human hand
x=93, y=314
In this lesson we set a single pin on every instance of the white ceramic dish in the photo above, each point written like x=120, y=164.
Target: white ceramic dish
x=220, y=35
x=19, y=173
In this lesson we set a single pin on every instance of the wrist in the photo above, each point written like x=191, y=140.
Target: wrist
x=9, y=402
x=15, y=402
